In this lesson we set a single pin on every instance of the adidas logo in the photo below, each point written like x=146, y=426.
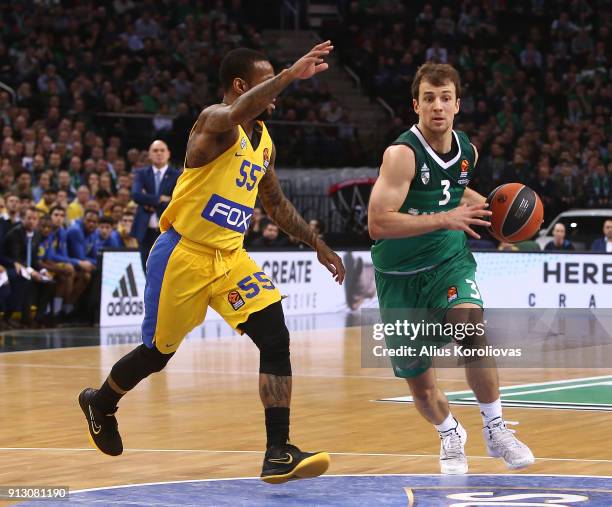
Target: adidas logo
x=127, y=279
x=127, y=300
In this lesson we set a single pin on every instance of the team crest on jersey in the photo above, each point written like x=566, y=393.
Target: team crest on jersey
x=463, y=176
x=451, y=294
x=425, y=174
x=235, y=299
x=243, y=143
x=266, y=158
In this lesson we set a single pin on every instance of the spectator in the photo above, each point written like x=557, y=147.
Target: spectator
x=29, y=286
x=125, y=228
x=62, y=270
x=44, y=183
x=152, y=190
x=48, y=199
x=116, y=212
x=270, y=237
x=64, y=182
x=24, y=183
x=331, y=112
x=106, y=235
x=56, y=252
x=81, y=238
x=255, y=226
x=436, y=53
x=559, y=242
x=543, y=185
x=13, y=205
x=604, y=244
x=599, y=188
x=568, y=187
x=76, y=208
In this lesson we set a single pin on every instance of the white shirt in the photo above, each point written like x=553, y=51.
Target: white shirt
x=154, y=221
x=608, y=246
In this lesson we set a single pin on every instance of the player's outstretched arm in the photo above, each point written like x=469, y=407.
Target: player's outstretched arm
x=223, y=117
x=279, y=209
x=389, y=193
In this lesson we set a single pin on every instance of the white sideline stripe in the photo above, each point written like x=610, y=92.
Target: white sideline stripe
x=511, y=388
x=215, y=372
x=208, y=451
x=562, y=388
x=122, y=486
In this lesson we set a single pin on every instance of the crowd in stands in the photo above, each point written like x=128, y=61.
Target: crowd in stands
x=536, y=102
x=536, y=84
x=263, y=233
x=81, y=62
x=49, y=252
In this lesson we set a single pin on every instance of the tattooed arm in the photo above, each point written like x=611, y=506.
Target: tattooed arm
x=220, y=118
x=279, y=209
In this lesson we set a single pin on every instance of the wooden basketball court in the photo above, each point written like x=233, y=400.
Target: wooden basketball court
x=201, y=418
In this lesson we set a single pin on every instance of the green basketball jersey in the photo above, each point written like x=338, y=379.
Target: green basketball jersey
x=437, y=186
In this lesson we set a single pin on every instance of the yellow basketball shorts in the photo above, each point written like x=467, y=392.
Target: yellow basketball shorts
x=185, y=278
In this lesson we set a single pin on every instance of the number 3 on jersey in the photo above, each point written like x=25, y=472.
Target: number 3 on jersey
x=445, y=193
x=475, y=292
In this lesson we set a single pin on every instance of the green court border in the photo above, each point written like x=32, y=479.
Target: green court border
x=468, y=398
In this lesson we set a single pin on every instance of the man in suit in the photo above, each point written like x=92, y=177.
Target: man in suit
x=28, y=285
x=152, y=190
x=604, y=245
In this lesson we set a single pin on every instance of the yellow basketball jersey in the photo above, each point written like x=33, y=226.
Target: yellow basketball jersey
x=213, y=204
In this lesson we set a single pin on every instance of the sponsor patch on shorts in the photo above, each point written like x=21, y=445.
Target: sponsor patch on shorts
x=235, y=299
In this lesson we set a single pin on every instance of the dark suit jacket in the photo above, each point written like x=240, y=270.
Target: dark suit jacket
x=143, y=194
x=599, y=245
x=15, y=244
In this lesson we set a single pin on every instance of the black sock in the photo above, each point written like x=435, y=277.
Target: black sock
x=106, y=398
x=277, y=426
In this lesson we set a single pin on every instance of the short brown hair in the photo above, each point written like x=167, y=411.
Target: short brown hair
x=437, y=74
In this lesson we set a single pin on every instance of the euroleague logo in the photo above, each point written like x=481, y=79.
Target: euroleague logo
x=235, y=299
x=463, y=175
x=451, y=294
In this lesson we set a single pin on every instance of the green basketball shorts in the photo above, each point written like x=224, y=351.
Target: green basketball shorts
x=428, y=294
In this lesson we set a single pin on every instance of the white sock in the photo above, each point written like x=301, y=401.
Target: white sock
x=57, y=305
x=68, y=307
x=448, y=424
x=490, y=411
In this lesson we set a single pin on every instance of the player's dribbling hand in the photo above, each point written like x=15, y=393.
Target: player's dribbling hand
x=331, y=261
x=312, y=62
x=462, y=218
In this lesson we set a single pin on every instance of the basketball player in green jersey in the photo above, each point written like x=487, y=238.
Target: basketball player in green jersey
x=419, y=212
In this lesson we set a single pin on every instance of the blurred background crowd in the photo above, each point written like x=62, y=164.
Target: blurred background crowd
x=87, y=86
x=537, y=94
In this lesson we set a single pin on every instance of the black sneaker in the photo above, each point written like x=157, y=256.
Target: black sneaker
x=282, y=464
x=103, y=431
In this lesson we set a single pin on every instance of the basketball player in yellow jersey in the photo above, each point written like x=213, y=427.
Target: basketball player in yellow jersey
x=198, y=261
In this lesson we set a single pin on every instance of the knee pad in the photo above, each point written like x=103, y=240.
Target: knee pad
x=274, y=353
x=137, y=365
x=268, y=331
x=154, y=358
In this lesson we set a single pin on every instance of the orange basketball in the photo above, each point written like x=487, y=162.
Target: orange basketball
x=517, y=212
